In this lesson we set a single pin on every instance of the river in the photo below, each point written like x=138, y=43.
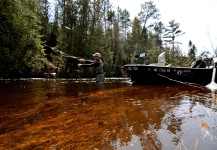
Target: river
x=64, y=114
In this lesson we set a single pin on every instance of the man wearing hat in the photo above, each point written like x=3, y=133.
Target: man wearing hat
x=97, y=64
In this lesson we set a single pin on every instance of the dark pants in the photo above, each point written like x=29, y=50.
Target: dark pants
x=100, y=78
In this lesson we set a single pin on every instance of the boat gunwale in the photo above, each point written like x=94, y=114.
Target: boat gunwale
x=172, y=67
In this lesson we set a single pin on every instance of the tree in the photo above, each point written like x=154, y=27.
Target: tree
x=53, y=30
x=173, y=31
x=125, y=21
x=133, y=41
x=43, y=8
x=106, y=8
x=159, y=30
x=148, y=13
x=68, y=20
x=21, y=50
x=192, y=50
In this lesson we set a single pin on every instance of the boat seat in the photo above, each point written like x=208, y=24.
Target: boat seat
x=168, y=65
x=161, y=60
x=198, y=64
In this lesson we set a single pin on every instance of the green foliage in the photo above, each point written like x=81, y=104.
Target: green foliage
x=21, y=52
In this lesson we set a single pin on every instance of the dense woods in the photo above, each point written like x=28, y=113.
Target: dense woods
x=80, y=28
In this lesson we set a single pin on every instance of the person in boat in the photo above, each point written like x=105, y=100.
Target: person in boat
x=98, y=67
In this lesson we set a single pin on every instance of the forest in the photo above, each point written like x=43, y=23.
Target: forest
x=38, y=38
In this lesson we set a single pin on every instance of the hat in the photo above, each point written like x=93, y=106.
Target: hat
x=97, y=54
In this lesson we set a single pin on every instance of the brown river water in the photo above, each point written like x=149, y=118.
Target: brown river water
x=49, y=114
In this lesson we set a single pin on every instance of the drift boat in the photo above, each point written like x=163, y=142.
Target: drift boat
x=200, y=72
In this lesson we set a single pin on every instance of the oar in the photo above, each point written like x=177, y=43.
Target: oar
x=212, y=85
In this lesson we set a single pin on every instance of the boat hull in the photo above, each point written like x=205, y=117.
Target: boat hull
x=149, y=75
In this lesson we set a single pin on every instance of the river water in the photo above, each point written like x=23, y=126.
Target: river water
x=59, y=114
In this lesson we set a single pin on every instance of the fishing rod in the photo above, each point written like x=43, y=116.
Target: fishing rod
x=49, y=50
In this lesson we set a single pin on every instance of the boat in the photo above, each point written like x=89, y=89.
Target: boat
x=201, y=72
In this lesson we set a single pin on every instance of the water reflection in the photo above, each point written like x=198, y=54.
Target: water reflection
x=67, y=114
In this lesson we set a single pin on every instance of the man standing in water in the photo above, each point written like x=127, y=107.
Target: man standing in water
x=98, y=66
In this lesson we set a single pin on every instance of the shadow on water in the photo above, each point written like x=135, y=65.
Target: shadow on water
x=69, y=114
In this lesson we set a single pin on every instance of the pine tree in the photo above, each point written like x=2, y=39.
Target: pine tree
x=171, y=33
x=192, y=50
